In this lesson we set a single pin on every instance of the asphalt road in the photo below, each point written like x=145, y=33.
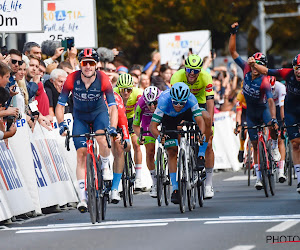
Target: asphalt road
x=238, y=217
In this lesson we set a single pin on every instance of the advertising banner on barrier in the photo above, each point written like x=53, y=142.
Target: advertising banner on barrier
x=5, y=210
x=225, y=143
x=69, y=18
x=13, y=183
x=21, y=148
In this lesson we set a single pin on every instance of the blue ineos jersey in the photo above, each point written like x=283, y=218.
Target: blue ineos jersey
x=256, y=91
x=165, y=107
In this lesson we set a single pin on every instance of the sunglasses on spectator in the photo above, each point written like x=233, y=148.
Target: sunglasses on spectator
x=85, y=63
x=296, y=67
x=150, y=103
x=128, y=90
x=260, y=63
x=176, y=103
x=13, y=61
x=196, y=71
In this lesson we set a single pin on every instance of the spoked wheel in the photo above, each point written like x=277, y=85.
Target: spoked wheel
x=159, y=176
x=167, y=186
x=271, y=170
x=182, y=180
x=131, y=177
x=289, y=164
x=200, y=189
x=99, y=194
x=125, y=184
x=191, y=193
x=263, y=168
x=104, y=205
x=91, y=188
x=248, y=163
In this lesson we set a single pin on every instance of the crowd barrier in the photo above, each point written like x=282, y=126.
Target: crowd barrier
x=36, y=171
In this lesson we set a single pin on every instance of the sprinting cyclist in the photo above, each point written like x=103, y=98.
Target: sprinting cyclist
x=291, y=104
x=88, y=87
x=130, y=96
x=175, y=105
x=200, y=84
x=117, y=148
x=260, y=104
x=279, y=92
x=142, y=118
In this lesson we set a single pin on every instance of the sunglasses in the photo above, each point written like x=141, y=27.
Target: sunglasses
x=176, y=103
x=150, y=103
x=296, y=67
x=196, y=71
x=85, y=63
x=13, y=61
x=260, y=63
x=128, y=90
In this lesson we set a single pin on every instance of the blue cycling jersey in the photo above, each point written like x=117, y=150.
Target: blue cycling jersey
x=165, y=107
x=256, y=91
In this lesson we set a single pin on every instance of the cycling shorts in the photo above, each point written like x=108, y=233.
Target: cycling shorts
x=81, y=126
x=130, y=127
x=148, y=139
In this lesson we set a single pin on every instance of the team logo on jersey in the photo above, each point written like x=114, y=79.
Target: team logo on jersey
x=209, y=88
x=78, y=82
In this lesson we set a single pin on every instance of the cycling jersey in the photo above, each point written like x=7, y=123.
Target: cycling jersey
x=241, y=102
x=132, y=100
x=202, y=88
x=88, y=103
x=143, y=115
x=165, y=107
x=279, y=93
x=292, y=100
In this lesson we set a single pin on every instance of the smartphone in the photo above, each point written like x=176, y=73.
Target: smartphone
x=67, y=43
x=4, y=51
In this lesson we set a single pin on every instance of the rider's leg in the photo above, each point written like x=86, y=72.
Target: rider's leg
x=137, y=157
x=150, y=152
x=80, y=172
x=118, y=153
x=172, y=163
x=296, y=156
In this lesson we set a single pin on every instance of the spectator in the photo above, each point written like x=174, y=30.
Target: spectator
x=162, y=81
x=15, y=60
x=32, y=49
x=66, y=66
x=151, y=66
x=72, y=59
x=42, y=71
x=53, y=88
x=51, y=67
x=136, y=69
x=135, y=79
x=31, y=78
x=145, y=81
x=53, y=50
x=122, y=70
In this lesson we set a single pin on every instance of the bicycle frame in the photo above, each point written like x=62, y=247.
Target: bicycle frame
x=262, y=140
x=90, y=150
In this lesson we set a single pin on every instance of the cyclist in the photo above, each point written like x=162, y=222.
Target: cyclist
x=291, y=104
x=260, y=104
x=175, y=105
x=142, y=117
x=130, y=96
x=200, y=84
x=279, y=93
x=117, y=148
x=88, y=87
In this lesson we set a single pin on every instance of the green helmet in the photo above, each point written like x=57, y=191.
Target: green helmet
x=125, y=81
x=193, y=62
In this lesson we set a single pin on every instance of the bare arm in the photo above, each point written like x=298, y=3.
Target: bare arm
x=272, y=108
x=59, y=111
x=260, y=68
x=282, y=112
x=210, y=108
x=136, y=129
x=232, y=44
x=153, y=129
x=113, y=114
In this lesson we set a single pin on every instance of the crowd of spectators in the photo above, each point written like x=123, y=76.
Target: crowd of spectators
x=31, y=81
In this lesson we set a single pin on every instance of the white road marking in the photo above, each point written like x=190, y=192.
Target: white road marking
x=90, y=228
x=240, y=178
x=247, y=221
x=242, y=247
x=288, y=216
x=283, y=226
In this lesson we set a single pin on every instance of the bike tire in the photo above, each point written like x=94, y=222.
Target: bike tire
x=99, y=194
x=270, y=172
x=263, y=168
x=125, y=185
x=91, y=188
x=131, y=177
x=159, y=176
x=289, y=163
x=104, y=205
x=191, y=192
x=167, y=182
x=200, y=190
x=181, y=180
x=248, y=164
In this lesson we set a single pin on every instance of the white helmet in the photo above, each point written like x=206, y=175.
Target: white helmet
x=151, y=94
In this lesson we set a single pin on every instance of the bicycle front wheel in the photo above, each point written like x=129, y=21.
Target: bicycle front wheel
x=248, y=163
x=131, y=177
x=159, y=176
x=99, y=194
x=91, y=189
x=289, y=163
x=182, y=180
x=272, y=167
x=263, y=168
x=125, y=185
x=167, y=186
x=191, y=193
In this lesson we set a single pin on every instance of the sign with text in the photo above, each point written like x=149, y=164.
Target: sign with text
x=69, y=18
x=21, y=16
x=173, y=47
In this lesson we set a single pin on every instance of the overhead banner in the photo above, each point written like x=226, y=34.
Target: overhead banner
x=173, y=47
x=21, y=16
x=69, y=18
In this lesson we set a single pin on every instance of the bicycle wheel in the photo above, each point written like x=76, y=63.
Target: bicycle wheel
x=131, y=177
x=125, y=185
x=289, y=163
x=99, y=194
x=104, y=205
x=248, y=164
x=270, y=171
x=263, y=168
x=200, y=189
x=91, y=189
x=191, y=192
x=181, y=180
x=167, y=186
x=159, y=175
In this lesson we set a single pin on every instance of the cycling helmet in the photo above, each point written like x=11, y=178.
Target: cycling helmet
x=272, y=80
x=258, y=56
x=151, y=94
x=193, y=62
x=88, y=54
x=125, y=81
x=180, y=92
x=296, y=60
